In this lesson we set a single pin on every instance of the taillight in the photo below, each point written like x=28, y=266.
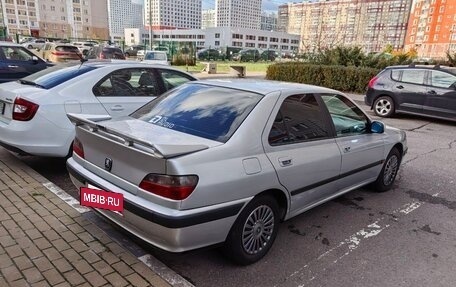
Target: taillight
x=78, y=148
x=24, y=110
x=372, y=82
x=102, y=56
x=170, y=186
x=58, y=53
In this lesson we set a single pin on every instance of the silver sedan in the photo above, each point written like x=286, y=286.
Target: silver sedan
x=226, y=161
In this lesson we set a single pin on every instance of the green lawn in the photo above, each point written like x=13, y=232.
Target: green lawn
x=224, y=67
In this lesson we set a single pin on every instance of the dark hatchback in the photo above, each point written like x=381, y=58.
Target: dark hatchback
x=17, y=62
x=420, y=90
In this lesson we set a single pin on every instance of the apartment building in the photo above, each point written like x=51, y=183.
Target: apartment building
x=238, y=13
x=56, y=18
x=371, y=24
x=432, y=28
x=208, y=18
x=123, y=14
x=172, y=14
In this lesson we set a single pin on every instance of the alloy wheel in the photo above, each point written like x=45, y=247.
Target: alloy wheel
x=390, y=171
x=258, y=229
x=383, y=107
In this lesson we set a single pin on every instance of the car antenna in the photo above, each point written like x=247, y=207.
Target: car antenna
x=81, y=58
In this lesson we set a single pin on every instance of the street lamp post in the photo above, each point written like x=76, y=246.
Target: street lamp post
x=150, y=24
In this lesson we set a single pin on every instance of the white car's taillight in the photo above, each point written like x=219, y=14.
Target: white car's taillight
x=24, y=110
x=170, y=186
x=78, y=148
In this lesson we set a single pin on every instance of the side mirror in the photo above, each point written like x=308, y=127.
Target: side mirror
x=35, y=59
x=377, y=127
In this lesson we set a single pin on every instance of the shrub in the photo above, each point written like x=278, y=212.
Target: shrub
x=351, y=79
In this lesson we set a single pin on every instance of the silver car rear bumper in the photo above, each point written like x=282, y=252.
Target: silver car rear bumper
x=173, y=230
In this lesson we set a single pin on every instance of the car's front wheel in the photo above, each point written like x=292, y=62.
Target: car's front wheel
x=389, y=171
x=254, y=231
x=384, y=106
x=127, y=55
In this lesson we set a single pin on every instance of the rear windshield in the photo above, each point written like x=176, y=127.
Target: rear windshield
x=155, y=56
x=66, y=49
x=206, y=111
x=53, y=76
x=112, y=50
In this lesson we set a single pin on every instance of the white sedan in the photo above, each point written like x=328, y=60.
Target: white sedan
x=33, y=110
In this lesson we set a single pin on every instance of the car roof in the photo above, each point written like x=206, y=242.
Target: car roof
x=448, y=69
x=266, y=86
x=127, y=64
x=9, y=44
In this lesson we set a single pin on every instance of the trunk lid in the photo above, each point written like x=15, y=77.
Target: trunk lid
x=130, y=149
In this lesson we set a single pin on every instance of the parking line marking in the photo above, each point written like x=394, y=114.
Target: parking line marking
x=71, y=201
x=305, y=274
x=164, y=272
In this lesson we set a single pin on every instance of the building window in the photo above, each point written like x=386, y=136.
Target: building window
x=217, y=43
x=275, y=40
x=442, y=8
x=217, y=35
x=250, y=45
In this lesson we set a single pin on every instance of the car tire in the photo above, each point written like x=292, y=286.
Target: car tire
x=29, y=47
x=127, y=55
x=254, y=231
x=387, y=176
x=384, y=106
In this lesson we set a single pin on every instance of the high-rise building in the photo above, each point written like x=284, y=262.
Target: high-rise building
x=82, y=19
x=123, y=14
x=208, y=18
x=432, y=28
x=372, y=24
x=238, y=13
x=268, y=21
x=172, y=14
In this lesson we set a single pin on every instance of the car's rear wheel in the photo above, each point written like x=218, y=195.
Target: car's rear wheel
x=254, y=231
x=127, y=55
x=389, y=171
x=30, y=47
x=384, y=106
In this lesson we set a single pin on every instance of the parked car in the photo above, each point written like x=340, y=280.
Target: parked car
x=224, y=162
x=105, y=52
x=414, y=89
x=133, y=50
x=269, y=55
x=208, y=54
x=155, y=57
x=84, y=47
x=33, y=110
x=17, y=62
x=34, y=44
x=59, y=52
x=247, y=55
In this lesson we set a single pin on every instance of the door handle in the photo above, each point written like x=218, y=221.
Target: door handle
x=400, y=87
x=285, y=161
x=13, y=66
x=117, y=108
x=431, y=92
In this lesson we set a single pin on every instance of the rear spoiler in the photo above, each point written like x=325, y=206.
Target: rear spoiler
x=157, y=150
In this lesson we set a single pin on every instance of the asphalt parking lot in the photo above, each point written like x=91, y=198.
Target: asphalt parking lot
x=404, y=237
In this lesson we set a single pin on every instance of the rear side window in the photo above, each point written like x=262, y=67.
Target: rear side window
x=300, y=118
x=395, y=75
x=210, y=112
x=56, y=75
x=66, y=49
x=413, y=76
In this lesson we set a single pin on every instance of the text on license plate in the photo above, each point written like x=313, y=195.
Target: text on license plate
x=94, y=197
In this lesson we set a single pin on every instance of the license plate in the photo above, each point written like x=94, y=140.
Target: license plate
x=93, y=196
